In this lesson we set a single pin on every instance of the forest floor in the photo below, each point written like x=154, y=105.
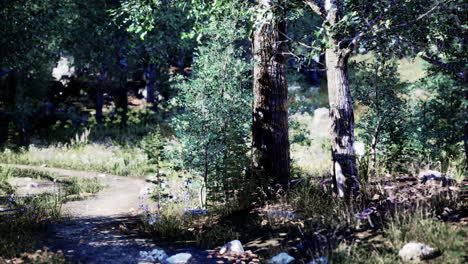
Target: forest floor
x=104, y=228
x=107, y=227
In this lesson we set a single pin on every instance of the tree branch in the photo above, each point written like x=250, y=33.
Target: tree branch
x=354, y=42
x=458, y=72
x=428, y=12
x=444, y=65
x=316, y=8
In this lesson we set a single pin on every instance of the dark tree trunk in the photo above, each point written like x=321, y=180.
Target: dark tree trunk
x=270, y=110
x=122, y=99
x=11, y=91
x=99, y=99
x=150, y=79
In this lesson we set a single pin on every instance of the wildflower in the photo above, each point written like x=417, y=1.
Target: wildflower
x=365, y=215
x=299, y=246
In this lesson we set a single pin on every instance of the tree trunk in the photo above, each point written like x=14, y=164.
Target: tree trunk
x=270, y=112
x=150, y=78
x=373, y=162
x=122, y=99
x=11, y=91
x=342, y=116
x=99, y=94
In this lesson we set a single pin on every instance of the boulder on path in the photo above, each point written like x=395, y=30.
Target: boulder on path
x=181, y=258
x=232, y=248
x=154, y=255
x=415, y=251
x=281, y=258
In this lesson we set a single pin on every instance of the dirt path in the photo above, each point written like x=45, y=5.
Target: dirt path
x=103, y=229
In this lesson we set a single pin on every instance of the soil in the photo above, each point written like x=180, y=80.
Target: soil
x=104, y=228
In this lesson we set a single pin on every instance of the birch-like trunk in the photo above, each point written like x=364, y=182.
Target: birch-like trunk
x=342, y=117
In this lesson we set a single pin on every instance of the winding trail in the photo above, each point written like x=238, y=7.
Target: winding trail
x=103, y=229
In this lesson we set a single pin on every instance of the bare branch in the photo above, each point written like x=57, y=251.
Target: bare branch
x=316, y=8
x=298, y=42
x=444, y=65
x=458, y=72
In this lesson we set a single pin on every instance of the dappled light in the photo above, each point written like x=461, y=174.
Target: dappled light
x=233, y=132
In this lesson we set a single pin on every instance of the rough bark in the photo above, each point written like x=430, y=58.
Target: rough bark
x=342, y=116
x=270, y=110
x=341, y=111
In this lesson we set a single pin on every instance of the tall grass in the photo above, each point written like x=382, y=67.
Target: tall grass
x=99, y=157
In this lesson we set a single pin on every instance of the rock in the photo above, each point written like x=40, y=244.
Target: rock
x=414, y=251
x=281, y=258
x=434, y=173
x=154, y=255
x=145, y=191
x=321, y=122
x=32, y=185
x=181, y=258
x=233, y=247
x=321, y=260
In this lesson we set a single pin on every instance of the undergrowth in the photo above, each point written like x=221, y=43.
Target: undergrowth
x=23, y=217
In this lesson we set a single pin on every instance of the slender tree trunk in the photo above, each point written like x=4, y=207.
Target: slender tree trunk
x=122, y=99
x=373, y=162
x=270, y=124
x=342, y=116
x=99, y=94
x=11, y=92
x=150, y=78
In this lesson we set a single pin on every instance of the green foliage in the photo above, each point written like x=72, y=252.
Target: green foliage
x=153, y=146
x=216, y=103
x=22, y=216
x=382, y=119
x=439, y=118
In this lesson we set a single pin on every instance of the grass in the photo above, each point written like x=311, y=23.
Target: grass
x=409, y=70
x=77, y=186
x=449, y=239
x=23, y=216
x=104, y=157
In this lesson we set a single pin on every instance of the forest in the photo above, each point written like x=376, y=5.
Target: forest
x=233, y=131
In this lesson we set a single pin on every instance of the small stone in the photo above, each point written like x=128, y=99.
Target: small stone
x=281, y=258
x=154, y=255
x=414, y=251
x=321, y=260
x=32, y=185
x=181, y=258
x=232, y=248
